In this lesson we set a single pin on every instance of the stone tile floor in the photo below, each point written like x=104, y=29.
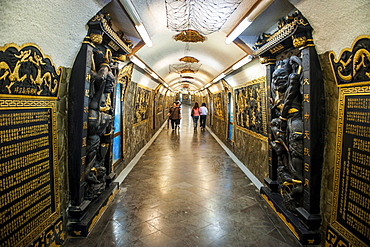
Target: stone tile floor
x=186, y=191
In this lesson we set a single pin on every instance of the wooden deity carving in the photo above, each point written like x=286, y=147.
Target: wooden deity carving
x=296, y=126
x=287, y=129
x=100, y=125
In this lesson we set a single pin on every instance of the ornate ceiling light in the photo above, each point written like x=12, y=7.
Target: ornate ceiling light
x=204, y=16
x=183, y=68
x=190, y=36
x=188, y=59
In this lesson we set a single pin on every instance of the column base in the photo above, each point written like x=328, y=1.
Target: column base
x=83, y=225
x=299, y=230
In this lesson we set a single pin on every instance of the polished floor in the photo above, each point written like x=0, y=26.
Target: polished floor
x=186, y=191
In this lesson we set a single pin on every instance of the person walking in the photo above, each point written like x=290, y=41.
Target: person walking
x=174, y=114
x=195, y=112
x=203, y=116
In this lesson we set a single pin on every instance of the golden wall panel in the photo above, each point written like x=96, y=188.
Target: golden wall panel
x=250, y=106
x=351, y=196
x=142, y=103
x=29, y=200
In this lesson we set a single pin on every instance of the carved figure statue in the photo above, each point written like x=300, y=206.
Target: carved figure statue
x=100, y=126
x=287, y=129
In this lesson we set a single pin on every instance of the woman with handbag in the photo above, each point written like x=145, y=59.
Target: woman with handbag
x=195, y=112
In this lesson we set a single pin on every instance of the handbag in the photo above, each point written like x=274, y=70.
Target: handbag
x=192, y=112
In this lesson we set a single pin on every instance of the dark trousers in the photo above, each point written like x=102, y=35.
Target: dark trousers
x=174, y=123
x=195, y=120
x=203, y=119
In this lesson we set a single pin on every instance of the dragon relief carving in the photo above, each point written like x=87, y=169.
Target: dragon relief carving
x=27, y=71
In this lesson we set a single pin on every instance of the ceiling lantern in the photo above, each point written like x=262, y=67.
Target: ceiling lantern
x=188, y=59
x=183, y=71
x=191, y=36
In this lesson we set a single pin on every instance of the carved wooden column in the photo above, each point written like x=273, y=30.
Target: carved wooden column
x=91, y=117
x=77, y=126
x=271, y=180
x=296, y=126
x=314, y=117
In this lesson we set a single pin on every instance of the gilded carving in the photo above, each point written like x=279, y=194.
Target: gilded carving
x=100, y=126
x=276, y=48
x=103, y=20
x=96, y=38
x=299, y=41
x=25, y=70
x=287, y=130
x=353, y=65
x=218, y=105
x=160, y=103
x=250, y=105
x=142, y=103
x=124, y=77
x=287, y=27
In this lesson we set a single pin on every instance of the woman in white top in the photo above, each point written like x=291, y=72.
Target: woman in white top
x=203, y=116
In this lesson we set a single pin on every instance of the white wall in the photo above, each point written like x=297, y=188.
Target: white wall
x=57, y=26
x=336, y=23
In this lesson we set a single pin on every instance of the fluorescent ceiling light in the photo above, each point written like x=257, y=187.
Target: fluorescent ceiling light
x=144, y=35
x=129, y=7
x=262, y=6
x=242, y=62
x=222, y=75
x=154, y=75
x=138, y=62
x=238, y=30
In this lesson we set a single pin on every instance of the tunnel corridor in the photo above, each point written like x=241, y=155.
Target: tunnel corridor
x=88, y=158
x=186, y=191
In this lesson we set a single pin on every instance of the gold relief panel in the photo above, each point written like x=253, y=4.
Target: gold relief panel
x=142, y=103
x=124, y=77
x=27, y=72
x=160, y=103
x=218, y=105
x=250, y=106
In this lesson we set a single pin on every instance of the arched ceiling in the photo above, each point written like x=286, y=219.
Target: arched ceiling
x=214, y=55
